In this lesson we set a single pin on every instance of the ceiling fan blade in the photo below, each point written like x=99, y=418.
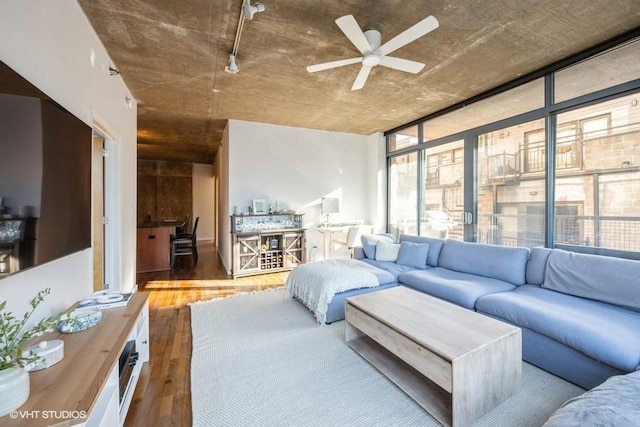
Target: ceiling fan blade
x=401, y=64
x=362, y=77
x=352, y=30
x=423, y=27
x=333, y=64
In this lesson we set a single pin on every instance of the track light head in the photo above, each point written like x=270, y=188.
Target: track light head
x=249, y=10
x=233, y=65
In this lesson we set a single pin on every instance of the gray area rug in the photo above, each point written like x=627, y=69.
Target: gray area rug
x=262, y=360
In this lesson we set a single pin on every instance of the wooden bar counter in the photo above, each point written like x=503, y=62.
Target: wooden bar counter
x=154, y=245
x=83, y=388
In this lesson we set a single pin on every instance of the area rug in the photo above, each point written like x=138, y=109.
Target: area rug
x=262, y=360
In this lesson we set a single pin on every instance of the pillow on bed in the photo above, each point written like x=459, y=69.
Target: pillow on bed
x=413, y=254
x=369, y=243
x=386, y=251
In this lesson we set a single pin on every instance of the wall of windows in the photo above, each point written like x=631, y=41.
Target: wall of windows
x=402, y=139
x=522, y=169
x=603, y=186
x=403, y=200
x=443, y=185
x=511, y=186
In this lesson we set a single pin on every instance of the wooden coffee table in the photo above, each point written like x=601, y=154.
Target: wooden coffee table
x=455, y=363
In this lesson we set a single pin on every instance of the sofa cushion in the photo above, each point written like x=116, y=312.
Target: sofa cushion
x=335, y=310
x=386, y=251
x=605, y=332
x=612, y=403
x=369, y=242
x=413, y=254
x=536, y=265
x=597, y=277
x=459, y=288
x=435, y=246
x=390, y=267
x=497, y=262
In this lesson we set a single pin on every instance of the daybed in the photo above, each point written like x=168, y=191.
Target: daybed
x=579, y=314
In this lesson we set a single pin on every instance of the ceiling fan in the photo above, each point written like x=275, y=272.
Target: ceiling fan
x=368, y=43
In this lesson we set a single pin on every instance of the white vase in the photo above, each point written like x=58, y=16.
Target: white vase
x=14, y=389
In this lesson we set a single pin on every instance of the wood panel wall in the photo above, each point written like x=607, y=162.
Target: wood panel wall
x=164, y=190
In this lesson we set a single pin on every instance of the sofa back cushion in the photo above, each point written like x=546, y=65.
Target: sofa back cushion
x=536, y=265
x=597, y=277
x=369, y=242
x=435, y=246
x=413, y=254
x=498, y=262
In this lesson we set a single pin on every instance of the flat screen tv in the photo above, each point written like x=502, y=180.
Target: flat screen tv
x=45, y=177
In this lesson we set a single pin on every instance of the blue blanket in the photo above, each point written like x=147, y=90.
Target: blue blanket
x=616, y=402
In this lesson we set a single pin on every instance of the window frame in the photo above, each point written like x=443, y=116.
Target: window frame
x=548, y=113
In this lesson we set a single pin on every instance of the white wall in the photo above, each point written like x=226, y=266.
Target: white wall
x=377, y=189
x=51, y=44
x=297, y=167
x=203, y=187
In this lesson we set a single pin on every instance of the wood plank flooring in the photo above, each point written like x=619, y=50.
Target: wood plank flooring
x=163, y=394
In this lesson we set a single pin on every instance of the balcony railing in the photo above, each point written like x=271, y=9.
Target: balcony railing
x=607, y=232
x=570, y=153
x=503, y=167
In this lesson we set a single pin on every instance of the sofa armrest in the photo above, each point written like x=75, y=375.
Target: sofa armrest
x=614, y=402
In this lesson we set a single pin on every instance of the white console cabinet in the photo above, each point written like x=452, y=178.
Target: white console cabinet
x=87, y=381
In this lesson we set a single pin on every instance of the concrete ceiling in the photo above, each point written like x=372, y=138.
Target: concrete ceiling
x=172, y=55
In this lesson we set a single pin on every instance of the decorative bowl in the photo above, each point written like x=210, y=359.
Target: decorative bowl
x=79, y=320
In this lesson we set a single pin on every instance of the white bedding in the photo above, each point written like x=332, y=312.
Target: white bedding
x=315, y=283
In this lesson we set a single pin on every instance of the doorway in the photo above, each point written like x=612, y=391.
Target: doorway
x=98, y=211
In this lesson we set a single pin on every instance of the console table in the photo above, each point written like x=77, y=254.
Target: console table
x=86, y=380
x=267, y=243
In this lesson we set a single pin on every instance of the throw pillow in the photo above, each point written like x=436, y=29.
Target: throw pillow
x=387, y=251
x=413, y=254
x=369, y=243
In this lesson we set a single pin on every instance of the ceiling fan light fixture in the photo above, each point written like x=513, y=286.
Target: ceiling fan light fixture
x=373, y=53
x=249, y=10
x=233, y=65
x=371, y=60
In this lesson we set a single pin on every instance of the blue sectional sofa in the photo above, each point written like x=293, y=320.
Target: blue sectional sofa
x=579, y=314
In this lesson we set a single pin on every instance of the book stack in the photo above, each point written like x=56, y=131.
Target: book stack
x=104, y=300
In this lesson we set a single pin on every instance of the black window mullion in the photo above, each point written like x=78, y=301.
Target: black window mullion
x=470, y=185
x=550, y=162
x=420, y=179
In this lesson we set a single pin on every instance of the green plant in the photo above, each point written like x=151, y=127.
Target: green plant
x=13, y=333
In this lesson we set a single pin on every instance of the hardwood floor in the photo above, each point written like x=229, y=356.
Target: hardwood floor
x=163, y=394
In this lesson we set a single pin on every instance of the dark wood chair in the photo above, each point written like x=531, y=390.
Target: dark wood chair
x=182, y=229
x=185, y=244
